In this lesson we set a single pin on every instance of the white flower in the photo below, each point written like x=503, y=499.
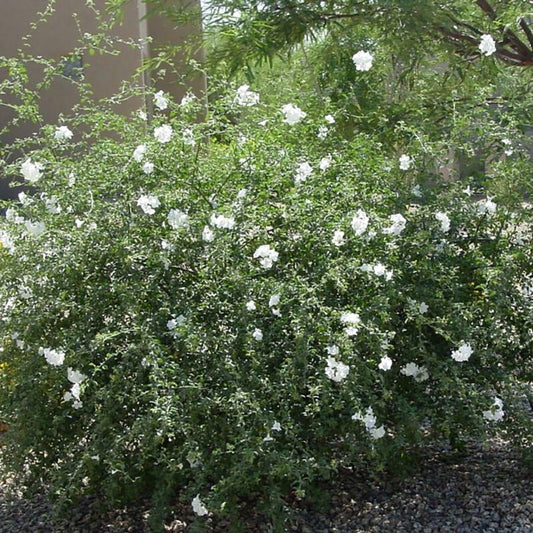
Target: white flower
x=207, y=234
x=487, y=45
x=462, y=353
x=333, y=349
x=173, y=323
x=405, y=162
x=250, y=306
x=274, y=300
x=6, y=242
x=24, y=199
x=245, y=97
x=325, y=163
x=293, y=114
x=13, y=216
x=148, y=203
x=353, y=321
x=276, y=426
x=486, y=207
x=397, y=226
x=177, y=219
x=222, y=222
x=242, y=194
x=75, y=376
x=336, y=370
x=303, y=171
x=142, y=115
x=148, y=167
x=360, y=222
x=444, y=220
x=322, y=132
x=377, y=433
x=35, y=228
x=51, y=205
x=419, y=373
x=268, y=438
x=139, y=153
x=385, y=363
x=362, y=60
x=350, y=318
x=423, y=308
x=160, y=101
x=189, y=98
x=496, y=412
x=266, y=255
x=338, y=238
x=198, y=507
x=31, y=171
x=62, y=133
x=53, y=357
x=508, y=143
x=163, y=133
x=329, y=119
x=379, y=269
x=257, y=335
x=188, y=137
x=417, y=191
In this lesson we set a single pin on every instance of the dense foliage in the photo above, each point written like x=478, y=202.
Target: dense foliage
x=246, y=304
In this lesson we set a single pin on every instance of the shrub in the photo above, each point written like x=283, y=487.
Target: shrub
x=256, y=309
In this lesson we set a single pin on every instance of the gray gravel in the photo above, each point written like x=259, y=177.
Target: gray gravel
x=487, y=491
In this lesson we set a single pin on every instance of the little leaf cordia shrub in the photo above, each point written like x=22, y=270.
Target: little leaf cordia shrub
x=228, y=308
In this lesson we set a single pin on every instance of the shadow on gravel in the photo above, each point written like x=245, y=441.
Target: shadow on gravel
x=481, y=491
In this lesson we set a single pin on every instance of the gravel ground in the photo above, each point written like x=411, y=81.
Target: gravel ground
x=482, y=491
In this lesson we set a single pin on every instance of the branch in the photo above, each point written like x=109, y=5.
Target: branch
x=527, y=30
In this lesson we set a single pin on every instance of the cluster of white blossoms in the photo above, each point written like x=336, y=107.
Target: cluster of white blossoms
x=496, y=412
x=444, y=220
x=398, y=224
x=462, y=353
x=76, y=378
x=335, y=370
x=405, y=162
x=352, y=321
x=303, y=171
x=63, y=133
x=31, y=171
x=198, y=507
x=378, y=269
x=418, y=307
x=257, y=334
x=486, y=207
x=370, y=421
x=293, y=114
x=419, y=373
x=276, y=426
x=359, y=222
x=267, y=256
x=487, y=45
x=163, y=134
x=363, y=60
x=160, y=100
x=148, y=203
x=245, y=97
x=222, y=222
x=53, y=357
x=177, y=219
